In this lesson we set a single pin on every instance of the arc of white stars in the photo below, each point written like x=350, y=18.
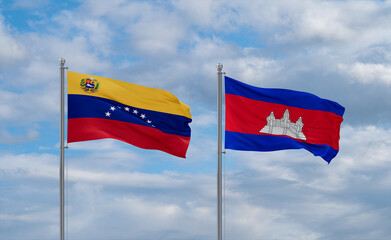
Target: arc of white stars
x=135, y=111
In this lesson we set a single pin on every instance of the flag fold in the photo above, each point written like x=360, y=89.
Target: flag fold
x=145, y=117
x=261, y=119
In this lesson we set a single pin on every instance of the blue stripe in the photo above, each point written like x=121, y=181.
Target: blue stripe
x=83, y=106
x=265, y=143
x=282, y=96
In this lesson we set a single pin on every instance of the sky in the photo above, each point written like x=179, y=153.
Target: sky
x=336, y=49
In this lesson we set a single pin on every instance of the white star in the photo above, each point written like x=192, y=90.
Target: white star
x=107, y=114
x=127, y=109
x=143, y=116
x=135, y=111
x=112, y=108
x=149, y=121
x=119, y=107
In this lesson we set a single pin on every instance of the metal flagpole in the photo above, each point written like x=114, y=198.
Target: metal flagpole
x=62, y=68
x=219, y=152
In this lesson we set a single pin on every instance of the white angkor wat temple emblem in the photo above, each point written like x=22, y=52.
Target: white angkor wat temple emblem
x=284, y=126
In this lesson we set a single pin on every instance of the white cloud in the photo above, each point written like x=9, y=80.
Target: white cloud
x=257, y=222
x=96, y=33
x=252, y=69
x=98, y=169
x=363, y=151
x=42, y=216
x=38, y=105
x=26, y=4
x=30, y=166
x=368, y=146
x=136, y=179
x=11, y=49
x=184, y=199
x=323, y=21
x=156, y=34
x=208, y=14
x=8, y=138
x=207, y=118
x=151, y=29
x=349, y=23
x=268, y=195
x=76, y=51
x=367, y=73
x=175, y=46
x=156, y=217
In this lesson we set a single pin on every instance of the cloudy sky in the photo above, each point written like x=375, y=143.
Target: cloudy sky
x=339, y=50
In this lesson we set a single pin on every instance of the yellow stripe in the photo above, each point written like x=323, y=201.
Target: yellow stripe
x=130, y=94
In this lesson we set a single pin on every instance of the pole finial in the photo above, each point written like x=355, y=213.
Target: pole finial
x=219, y=67
x=62, y=61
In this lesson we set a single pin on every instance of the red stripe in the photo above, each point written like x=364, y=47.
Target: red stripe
x=246, y=115
x=85, y=129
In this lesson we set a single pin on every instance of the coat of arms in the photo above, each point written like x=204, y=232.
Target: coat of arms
x=284, y=126
x=89, y=85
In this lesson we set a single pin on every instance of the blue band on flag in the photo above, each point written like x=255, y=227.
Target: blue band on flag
x=282, y=96
x=264, y=143
x=82, y=106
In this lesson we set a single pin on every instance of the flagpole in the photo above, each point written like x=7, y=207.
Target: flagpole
x=219, y=151
x=62, y=68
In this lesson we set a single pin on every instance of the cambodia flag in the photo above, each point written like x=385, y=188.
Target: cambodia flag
x=260, y=119
x=145, y=117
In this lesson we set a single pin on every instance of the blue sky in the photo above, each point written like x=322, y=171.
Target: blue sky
x=339, y=50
